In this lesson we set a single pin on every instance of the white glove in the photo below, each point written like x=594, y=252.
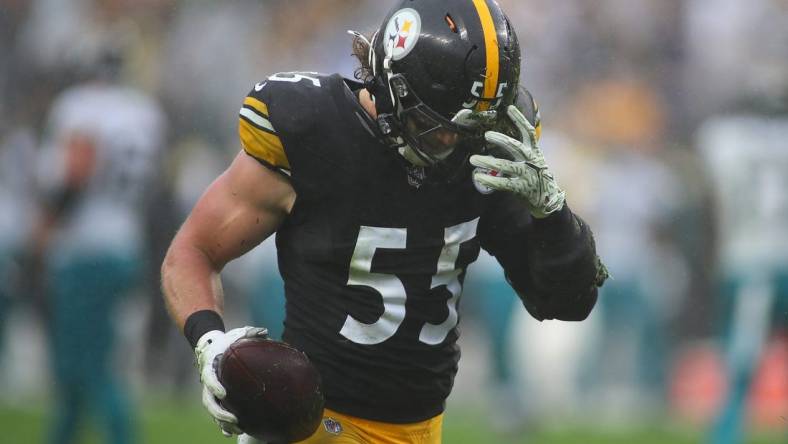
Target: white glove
x=527, y=175
x=246, y=439
x=209, y=350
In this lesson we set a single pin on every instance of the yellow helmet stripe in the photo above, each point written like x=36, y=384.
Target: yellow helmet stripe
x=491, y=49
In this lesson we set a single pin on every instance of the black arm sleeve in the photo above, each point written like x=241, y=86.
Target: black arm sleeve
x=551, y=263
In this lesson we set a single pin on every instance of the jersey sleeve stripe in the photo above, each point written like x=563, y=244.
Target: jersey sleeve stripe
x=256, y=105
x=259, y=121
x=284, y=171
x=263, y=145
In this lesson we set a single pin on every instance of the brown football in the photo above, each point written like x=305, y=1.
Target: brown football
x=273, y=389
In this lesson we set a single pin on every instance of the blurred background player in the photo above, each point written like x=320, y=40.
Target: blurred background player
x=743, y=149
x=748, y=162
x=101, y=151
x=627, y=367
x=491, y=302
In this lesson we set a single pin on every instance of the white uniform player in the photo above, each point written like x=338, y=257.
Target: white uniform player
x=748, y=162
x=102, y=150
x=126, y=128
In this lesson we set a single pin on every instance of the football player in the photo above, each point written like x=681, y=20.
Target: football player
x=381, y=193
x=753, y=208
x=99, y=156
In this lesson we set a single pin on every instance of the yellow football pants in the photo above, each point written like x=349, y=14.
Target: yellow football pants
x=337, y=428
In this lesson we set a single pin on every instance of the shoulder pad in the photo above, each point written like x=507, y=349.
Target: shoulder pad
x=258, y=136
x=275, y=109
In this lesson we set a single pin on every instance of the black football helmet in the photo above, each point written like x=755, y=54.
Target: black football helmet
x=433, y=59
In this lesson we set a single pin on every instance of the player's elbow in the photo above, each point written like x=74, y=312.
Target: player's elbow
x=167, y=265
x=572, y=307
x=579, y=308
x=168, y=270
x=184, y=258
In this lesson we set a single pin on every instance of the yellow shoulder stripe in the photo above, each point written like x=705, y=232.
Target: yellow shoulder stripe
x=263, y=145
x=259, y=106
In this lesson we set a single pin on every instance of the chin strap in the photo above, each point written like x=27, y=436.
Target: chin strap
x=413, y=156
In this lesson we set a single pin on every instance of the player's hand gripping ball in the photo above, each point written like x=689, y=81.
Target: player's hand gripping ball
x=273, y=389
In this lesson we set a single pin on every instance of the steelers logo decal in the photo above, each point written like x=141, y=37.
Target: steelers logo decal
x=402, y=33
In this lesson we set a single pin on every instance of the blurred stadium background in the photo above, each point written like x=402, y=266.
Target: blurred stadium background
x=638, y=100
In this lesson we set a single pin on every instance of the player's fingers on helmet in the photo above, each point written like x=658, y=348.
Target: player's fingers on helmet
x=481, y=161
x=520, y=151
x=496, y=164
x=516, y=149
x=218, y=412
x=522, y=124
x=463, y=117
x=467, y=117
x=210, y=380
x=496, y=183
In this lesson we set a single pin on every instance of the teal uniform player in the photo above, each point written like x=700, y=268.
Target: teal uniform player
x=101, y=149
x=748, y=164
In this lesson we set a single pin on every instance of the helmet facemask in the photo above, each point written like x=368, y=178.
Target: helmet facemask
x=433, y=137
x=427, y=139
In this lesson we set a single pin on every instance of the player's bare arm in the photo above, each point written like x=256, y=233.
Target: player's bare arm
x=239, y=210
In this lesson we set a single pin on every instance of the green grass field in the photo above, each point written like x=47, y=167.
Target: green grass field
x=174, y=423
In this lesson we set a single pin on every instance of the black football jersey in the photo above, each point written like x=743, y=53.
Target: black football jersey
x=373, y=265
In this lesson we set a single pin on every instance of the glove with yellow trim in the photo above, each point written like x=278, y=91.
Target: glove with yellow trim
x=525, y=173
